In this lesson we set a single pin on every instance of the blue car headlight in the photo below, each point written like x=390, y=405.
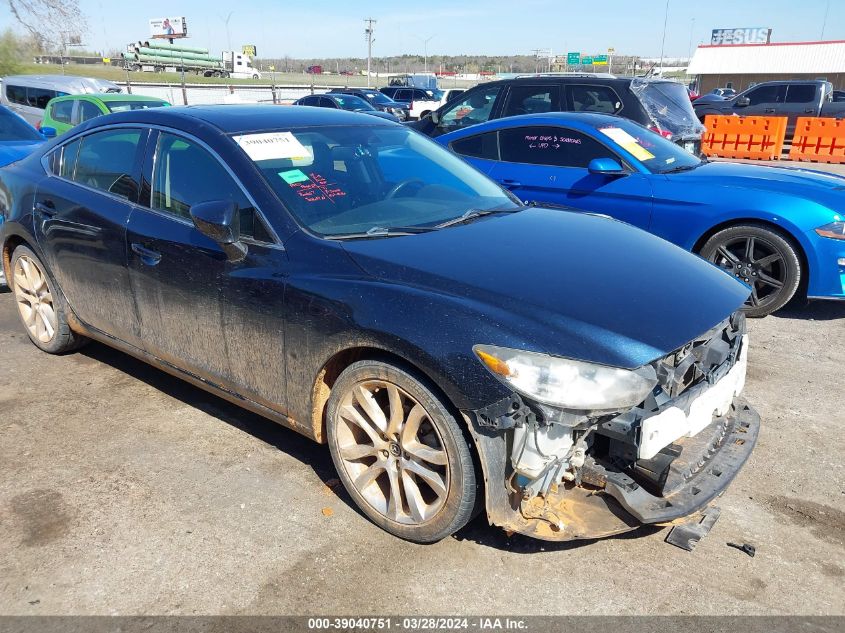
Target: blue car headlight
x=568, y=384
x=834, y=230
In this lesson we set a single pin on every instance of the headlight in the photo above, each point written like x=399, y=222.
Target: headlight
x=568, y=384
x=834, y=230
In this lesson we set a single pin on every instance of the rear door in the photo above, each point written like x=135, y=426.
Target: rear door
x=548, y=164
x=220, y=320
x=766, y=100
x=800, y=100
x=81, y=212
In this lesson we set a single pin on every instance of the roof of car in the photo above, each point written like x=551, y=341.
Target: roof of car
x=111, y=96
x=242, y=118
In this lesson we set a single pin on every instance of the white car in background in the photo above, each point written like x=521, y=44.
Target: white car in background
x=420, y=101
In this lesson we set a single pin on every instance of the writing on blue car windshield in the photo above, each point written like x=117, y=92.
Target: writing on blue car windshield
x=658, y=154
x=349, y=180
x=14, y=128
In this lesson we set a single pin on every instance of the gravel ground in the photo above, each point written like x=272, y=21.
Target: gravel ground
x=126, y=491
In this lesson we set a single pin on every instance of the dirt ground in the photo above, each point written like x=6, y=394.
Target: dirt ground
x=126, y=491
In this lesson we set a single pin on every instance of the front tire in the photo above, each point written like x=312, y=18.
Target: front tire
x=400, y=453
x=761, y=257
x=41, y=305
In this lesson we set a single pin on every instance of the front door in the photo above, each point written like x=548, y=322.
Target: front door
x=220, y=320
x=81, y=211
x=547, y=164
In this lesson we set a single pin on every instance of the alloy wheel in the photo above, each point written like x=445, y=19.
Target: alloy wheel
x=392, y=452
x=758, y=263
x=34, y=299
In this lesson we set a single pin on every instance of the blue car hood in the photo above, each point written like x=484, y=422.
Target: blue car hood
x=569, y=284
x=10, y=151
x=806, y=183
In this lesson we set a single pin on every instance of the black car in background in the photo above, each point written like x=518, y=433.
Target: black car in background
x=661, y=105
x=350, y=103
x=376, y=99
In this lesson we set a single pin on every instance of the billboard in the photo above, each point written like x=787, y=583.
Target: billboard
x=753, y=35
x=249, y=50
x=168, y=27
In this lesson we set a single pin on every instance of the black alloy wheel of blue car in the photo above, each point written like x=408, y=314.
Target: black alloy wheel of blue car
x=762, y=258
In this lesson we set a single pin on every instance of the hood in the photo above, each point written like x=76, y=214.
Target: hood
x=565, y=283
x=827, y=189
x=11, y=151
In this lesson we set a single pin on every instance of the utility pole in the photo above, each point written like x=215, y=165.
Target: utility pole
x=425, y=51
x=368, y=33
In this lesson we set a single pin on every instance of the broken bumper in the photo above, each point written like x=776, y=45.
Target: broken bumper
x=609, y=502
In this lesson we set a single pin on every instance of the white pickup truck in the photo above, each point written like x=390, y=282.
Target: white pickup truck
x=420, y=101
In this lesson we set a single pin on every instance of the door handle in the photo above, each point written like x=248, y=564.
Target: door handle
x=149, y=257
x=809, y=111
x=511, y=184
x=47, y=208
x=769, y=110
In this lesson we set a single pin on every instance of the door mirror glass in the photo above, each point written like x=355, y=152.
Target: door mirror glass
x=606, y=167
x=48, y=132
x=220, y=221
x=435, y=117
x=743, y=102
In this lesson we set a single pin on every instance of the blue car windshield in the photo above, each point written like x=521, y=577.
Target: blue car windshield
x=659, y=155
x=342, y=180
x=14, y=128
x=352, y=103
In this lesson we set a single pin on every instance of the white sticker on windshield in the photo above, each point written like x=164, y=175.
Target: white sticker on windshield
x=271, y=145
x=627, y=142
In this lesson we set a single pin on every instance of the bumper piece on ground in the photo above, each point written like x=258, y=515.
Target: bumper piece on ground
x=686, y=535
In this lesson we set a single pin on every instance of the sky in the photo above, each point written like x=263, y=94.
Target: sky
x=335, y=28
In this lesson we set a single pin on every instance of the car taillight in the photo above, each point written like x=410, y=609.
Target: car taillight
x=664, y=133
x=38, y=125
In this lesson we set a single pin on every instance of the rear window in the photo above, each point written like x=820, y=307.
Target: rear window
x=14, y=128
x=668, y=105
x=16, y=94
x=61, y=111
x=801, y=93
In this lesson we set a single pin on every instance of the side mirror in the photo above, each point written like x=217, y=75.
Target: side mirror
x=743, y=102
x=220, y=220
x=606, y=167
x=435, y=117
x=48, y=132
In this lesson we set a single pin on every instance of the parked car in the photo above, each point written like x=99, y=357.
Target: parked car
x=17, y=140
x=661, y=105
x=420, y=101
x=28, y=95
x=376, y=99
x=774, y=228
x=693, y=95
x=348, y=278
x=791, y=99
x=62, y=113
x=344, y=102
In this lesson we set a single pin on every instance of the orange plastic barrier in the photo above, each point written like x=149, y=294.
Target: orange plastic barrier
x=819, y=140
x=744, y=137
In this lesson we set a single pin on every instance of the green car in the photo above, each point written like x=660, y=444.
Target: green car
x=62, y=113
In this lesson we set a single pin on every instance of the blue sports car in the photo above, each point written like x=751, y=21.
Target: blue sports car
x=778, y=229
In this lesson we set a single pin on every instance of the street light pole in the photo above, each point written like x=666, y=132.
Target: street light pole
x=663, y=44
x=425, y=51
x=368, y=32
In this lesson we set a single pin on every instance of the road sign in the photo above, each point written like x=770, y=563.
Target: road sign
x=600, y=60
x=587, y=61
x=610, y=51
x=573, y=58
x=107, y=60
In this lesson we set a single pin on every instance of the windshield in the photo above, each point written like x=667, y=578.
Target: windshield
x=343, y=180
x=353, y=103
x=668, y=105
x=659, y=155
x=124, y=106
x=14, y=128
x=377, y=97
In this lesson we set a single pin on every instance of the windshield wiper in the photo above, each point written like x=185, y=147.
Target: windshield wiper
x=382, y=231
x=680, y=168
x=473, y=214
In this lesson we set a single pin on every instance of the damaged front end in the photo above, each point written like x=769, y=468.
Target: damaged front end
x=596, y=469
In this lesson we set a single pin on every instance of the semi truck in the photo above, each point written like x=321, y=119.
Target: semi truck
x=160, y=56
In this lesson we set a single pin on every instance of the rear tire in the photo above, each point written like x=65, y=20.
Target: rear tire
x=42, y=307
x=762, y=257
x=400, y=453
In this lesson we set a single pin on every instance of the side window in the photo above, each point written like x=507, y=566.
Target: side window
x=586, y=98
x=185, y=174
x=88, y=110
x=531, y=99
x=801, y=93
x=67, y=162
x=39, y=97
x=16, y=94
x=311, y=101
x=106, y=161
x=554, y=146
x=61, y=111
x=478, y=146
x=772, y=93
x=327, y=103
x=475, y=107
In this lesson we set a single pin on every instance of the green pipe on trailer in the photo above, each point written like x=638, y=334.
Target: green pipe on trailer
x=172, y=47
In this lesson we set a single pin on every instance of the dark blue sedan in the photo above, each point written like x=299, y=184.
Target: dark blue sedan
x=351, y=279
x=775, y=228
x=347, y=102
